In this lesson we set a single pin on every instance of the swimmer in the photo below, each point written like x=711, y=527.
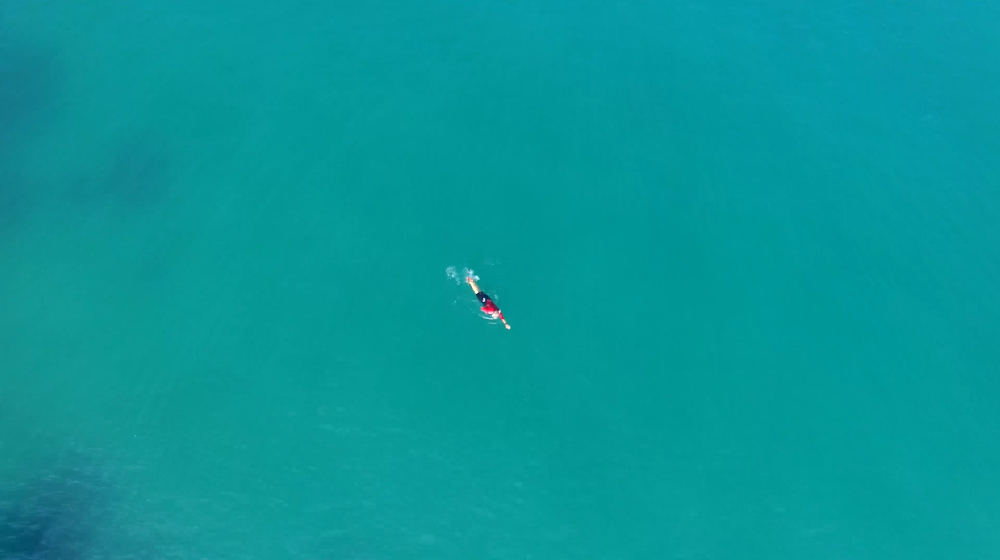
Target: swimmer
x=488, y=307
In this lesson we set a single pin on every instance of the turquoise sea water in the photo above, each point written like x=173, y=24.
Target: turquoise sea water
x=749, y=254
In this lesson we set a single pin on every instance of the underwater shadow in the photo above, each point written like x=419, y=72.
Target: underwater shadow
x=141, y=171
x=53, y=514
x=136, y=175
x=28, y=89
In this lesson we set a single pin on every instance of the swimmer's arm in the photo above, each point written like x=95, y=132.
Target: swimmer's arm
x=472, y=283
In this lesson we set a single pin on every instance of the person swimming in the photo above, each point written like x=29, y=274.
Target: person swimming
x=488, y=307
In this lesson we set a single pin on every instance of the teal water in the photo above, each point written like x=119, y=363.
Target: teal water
x=749, y=255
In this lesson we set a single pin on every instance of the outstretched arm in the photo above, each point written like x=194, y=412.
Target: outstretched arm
x=475, y=288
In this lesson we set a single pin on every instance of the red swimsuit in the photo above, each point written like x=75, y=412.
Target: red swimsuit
x=490, y=308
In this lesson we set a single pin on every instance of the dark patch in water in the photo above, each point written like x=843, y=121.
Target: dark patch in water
x=140, y=171
x=136, y=175
x=51, y=516
x=27, y=101
x=14, y=202
x=27, y=88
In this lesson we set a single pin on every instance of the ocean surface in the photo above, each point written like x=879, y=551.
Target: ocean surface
x=750, y=254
